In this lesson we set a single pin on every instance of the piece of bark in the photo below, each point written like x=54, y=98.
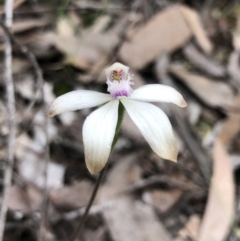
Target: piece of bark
x=24, y=199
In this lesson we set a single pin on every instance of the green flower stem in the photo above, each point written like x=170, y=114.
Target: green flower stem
x=79, y=229
x=121, y=110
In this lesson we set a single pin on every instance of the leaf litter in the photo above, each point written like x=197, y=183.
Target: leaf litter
x=142, y=197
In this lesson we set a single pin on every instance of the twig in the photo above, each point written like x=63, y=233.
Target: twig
x=156, y=179
x=97, y=6
x=203, y=62
x=80, y=6
x=11, y=116
x=95, y=209
x=45, y=193
x=35, y=217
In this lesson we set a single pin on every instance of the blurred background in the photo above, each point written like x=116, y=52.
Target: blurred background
x=191, y=45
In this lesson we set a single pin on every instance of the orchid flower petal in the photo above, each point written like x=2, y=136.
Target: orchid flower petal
x=98, y=133
x=76, y=100
x=158, y=93
x=154, y=126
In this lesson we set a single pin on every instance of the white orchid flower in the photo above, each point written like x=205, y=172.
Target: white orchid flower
x=99, y=127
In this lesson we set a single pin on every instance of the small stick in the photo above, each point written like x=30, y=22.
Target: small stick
x=95, y=209
x=156, y=179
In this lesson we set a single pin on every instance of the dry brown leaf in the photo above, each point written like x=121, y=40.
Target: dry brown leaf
x=64, y=27
x=219, y=212
x=19, y=65
x=211, y=92
x=101, y=24
x=194, y=112
x=29, y=152
x=85, y=50
x=167, y=31
x=190, y=230
x=25, y=39
x=25, y=25
x=72, y=197
x=236, y=35
x=16, y=4
x=25, y=199
x=234, y=67
x=193, y=20
x=25, y=87
x=162, y=200
x=231, y=125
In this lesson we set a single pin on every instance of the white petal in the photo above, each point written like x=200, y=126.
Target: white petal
x=154, y=126
x=158, y=93
x=76, y=100
x=116, y=66
x=98, y=133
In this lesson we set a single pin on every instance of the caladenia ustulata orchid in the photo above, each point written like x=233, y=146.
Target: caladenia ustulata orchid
x=101, y=125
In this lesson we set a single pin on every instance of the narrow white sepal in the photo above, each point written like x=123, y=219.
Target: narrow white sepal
x=158, y=93
x=76, y=100
x=98, y=133
x=154, y=126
